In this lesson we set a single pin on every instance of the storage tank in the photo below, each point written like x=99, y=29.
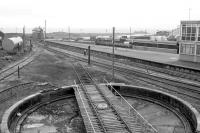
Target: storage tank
x=12, y=44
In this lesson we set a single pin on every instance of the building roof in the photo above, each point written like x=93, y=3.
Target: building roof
x=38, y=29
x=190, y=22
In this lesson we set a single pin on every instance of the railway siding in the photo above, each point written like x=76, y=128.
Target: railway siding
x=160, y=60
x=190, y=113
x=11, y=69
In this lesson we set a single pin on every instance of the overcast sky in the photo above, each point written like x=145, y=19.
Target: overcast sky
x=96, y=15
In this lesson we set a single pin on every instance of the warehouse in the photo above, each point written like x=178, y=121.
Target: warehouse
x=190, y=41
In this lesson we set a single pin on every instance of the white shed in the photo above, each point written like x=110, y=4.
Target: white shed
x=11, y=44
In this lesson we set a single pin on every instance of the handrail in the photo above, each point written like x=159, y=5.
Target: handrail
x=130, y=106
x=85, y=108
x=92, y=105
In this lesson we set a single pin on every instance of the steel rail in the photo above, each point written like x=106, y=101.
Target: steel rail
x=25, y=60
x=124, y=72
x=108, y=101
x=85, y=107
x=90, y=101
x=9, y=91
x=130, y=77
x=153, y=68
x=130, y=106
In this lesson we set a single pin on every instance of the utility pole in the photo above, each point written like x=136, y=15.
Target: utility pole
x=45, y=33
x=88, y=55
x=113, y=56
x=69, y=32
x=130, y=32
x=23, y=39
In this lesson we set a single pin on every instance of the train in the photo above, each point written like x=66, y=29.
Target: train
x=139, y=40
x=157, y=44
x=107, y=41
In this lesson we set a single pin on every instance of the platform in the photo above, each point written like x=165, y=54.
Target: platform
x=165, y=58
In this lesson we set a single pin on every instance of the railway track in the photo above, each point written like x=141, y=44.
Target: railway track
x=164, y=83
x=11, y=92
x=10, y=70
x=101, y=110
x=180, y=73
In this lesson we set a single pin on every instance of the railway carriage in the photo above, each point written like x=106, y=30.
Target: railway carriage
x=107, y=41
x=157, y=44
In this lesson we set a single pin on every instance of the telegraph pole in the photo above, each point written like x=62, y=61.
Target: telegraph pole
x=69, y=32
x=130, y=32
x=45, y=33
x=113, y=56
x=23, y=39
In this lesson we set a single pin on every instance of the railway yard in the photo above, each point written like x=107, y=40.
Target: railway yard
x=56, y=88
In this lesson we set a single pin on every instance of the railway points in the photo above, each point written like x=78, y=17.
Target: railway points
x=95, y=97
x=180, y=71
x=80, y=56
x=171, y=83
x=77, y=54
x=77, y=77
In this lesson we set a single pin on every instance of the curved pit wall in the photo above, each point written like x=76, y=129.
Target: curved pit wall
x=37, y=99
x=189, y=112
x=183, y=107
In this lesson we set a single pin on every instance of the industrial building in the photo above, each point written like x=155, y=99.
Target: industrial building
x=38, y=34
x=190, y=41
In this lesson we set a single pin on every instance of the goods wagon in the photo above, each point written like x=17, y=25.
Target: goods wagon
x=108, y=42
x=158, y=44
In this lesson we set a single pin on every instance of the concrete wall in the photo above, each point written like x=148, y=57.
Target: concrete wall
x=183, y=107
x=192, y=58
x=11, y=116
x=45, y=97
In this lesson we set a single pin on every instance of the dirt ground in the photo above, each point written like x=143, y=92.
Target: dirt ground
x=58, y=70
x=6, y=58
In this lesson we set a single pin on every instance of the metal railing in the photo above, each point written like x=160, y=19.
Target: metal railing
x=147, y=126
x=84, y=107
